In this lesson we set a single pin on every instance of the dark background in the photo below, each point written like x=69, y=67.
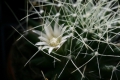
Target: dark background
x=7, y=19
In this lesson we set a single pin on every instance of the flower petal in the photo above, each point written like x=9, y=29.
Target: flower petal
x=45, y=47
x=63, y=41
x=44, y=35
x=61, y=27
x=37, y=32
x=41, y=43
x=59, y=31
x=63, y=30
x=40, y=47
x=56, y=30
x=50, y=49
x=56, y=22
x=64, y=38
x=58, y=46
x=43, y=39
x=40, y=33
x=48, y=29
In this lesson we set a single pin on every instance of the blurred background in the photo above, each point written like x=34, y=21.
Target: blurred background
x=8, y=19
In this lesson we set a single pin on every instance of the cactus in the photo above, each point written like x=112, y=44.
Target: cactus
x=68, y=39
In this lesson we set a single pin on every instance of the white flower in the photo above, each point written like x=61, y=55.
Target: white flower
x=52, y=38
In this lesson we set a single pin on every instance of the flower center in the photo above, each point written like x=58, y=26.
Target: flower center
x=54, y=41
